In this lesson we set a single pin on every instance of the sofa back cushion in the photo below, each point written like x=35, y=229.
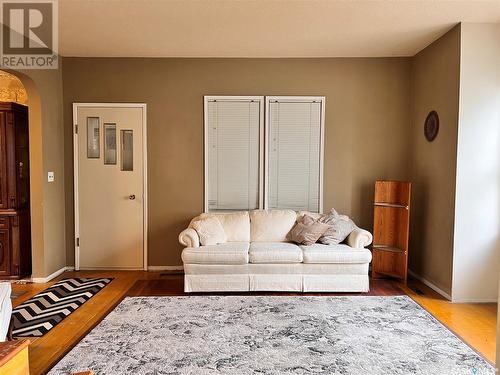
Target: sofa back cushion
x=236, y=224
x=271, y=225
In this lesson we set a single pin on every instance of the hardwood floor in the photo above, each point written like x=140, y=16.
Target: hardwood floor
x=47, y=350
x=474, y=323
x=173, y=285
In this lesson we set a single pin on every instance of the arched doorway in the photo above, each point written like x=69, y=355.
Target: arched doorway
x=12, y=89
x=19, y=88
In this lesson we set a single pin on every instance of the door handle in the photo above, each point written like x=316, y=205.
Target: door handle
x=131, y=197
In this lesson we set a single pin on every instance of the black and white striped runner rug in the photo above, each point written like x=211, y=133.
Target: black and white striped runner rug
x=41, y=313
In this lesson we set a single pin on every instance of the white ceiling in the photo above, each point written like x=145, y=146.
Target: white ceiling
x=260, y=28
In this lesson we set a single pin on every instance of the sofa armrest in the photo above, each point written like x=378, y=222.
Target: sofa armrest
x=189, y=238
x=359, y=238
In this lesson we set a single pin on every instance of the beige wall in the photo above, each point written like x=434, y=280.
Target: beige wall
x=44, y=89
x=435, y=86
x=367, y=126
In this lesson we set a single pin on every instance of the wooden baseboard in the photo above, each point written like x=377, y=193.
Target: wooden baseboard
x=429, y=284
x=165, y=268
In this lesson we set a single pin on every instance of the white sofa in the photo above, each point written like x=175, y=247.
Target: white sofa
x=257, y=257
x=5, y=310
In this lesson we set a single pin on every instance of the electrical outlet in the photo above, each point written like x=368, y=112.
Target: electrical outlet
x=51, y=177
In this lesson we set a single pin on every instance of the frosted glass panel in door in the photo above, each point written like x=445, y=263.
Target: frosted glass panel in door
x=127, y=150
x=110, y=144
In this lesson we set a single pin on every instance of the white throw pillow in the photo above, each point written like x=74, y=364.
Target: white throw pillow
x=210, y=231
x=236, y=225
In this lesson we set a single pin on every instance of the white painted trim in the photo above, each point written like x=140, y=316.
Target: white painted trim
x=143, y=106
x=145, y=186
x=261, y=152
x=205, y=154
x=307, y=99
x=430, y=285
x=266, y=154
x=112, y=269
x=260, y=100
x=474, y=300
x=75, y=187
x=39, y=280
x=165, y=268
x=322, y=154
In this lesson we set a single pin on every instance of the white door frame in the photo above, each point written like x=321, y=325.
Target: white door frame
x=144, y=174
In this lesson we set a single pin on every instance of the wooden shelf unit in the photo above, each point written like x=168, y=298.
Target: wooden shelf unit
x=391, y=225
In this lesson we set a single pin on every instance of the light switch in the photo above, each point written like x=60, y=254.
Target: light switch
x=50, y=177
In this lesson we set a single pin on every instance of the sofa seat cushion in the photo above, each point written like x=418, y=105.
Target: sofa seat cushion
x=319, y=253
x=274, y=252
x=226, y=253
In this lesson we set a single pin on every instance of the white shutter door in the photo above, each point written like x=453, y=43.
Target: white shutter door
x=294, y=155
x=233, y=155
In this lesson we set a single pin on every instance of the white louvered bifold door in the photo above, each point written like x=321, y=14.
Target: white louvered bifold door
x=233, y=136
x=294, y=155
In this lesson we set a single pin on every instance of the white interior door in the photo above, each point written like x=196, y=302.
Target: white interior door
x=110, y=186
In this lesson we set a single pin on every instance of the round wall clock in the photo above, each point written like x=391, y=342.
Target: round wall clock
x=431, y=126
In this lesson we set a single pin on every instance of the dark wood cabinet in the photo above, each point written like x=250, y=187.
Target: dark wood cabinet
x=15, y=227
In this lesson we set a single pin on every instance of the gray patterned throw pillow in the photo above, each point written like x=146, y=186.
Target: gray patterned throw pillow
x=307, y=231
x=340, y=226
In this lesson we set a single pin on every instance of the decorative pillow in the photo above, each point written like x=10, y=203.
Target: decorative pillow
x=210, y=231
x=307, y=231
x=339, y=227
x=236, y=225
x=314, y=215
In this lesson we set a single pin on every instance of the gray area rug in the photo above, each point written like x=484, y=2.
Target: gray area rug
x=272, y=335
